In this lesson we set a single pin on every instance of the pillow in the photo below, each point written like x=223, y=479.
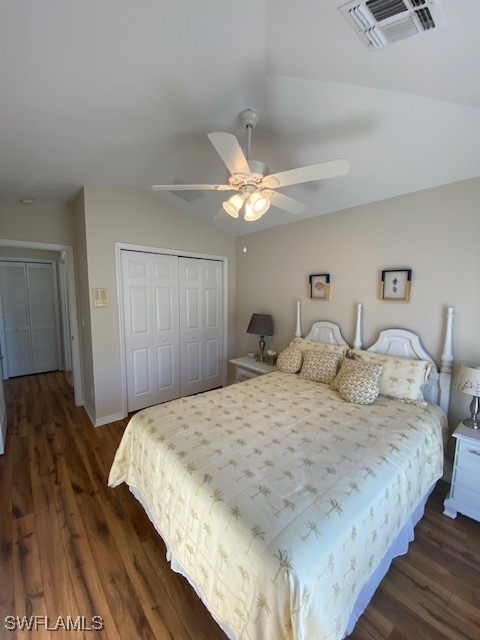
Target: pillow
x=302, y=344
x=402, y=378
x=289, y=360
x=358, y=381
x=319, y=366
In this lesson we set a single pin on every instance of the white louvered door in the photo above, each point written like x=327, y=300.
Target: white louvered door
x=41, y=286
x=30, y=325
x=173, y=326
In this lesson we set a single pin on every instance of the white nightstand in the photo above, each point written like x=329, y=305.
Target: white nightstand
x=464, y=495
x=246, y=368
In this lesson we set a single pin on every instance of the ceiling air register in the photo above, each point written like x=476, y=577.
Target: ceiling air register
x=381, y=22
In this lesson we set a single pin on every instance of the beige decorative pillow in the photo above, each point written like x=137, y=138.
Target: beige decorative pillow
x=319, y=366
x=402, y=378
x=358, y=381
x=289, y=360
x=302, y=345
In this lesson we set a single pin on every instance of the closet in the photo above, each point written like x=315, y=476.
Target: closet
x=173, y=324
x=30, y=317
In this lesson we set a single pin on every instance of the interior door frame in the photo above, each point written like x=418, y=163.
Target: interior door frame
x=77, y=380
x=122, y=246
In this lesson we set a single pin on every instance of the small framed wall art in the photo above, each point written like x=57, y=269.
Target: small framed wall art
x=395, y=284
x=319, y=286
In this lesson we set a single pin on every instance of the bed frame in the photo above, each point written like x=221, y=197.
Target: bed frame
x=395, y=342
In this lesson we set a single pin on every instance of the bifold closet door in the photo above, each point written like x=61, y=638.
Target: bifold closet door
x=201, y=324
x=150, y=290
x=28, y=292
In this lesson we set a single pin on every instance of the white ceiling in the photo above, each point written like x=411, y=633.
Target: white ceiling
x=124, y=92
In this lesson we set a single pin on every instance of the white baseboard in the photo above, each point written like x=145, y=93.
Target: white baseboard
x=107, y=419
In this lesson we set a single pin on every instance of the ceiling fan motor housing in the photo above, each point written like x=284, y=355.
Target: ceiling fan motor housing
x=249, y=118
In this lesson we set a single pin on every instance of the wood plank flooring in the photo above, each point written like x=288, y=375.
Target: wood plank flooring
x=70, y=546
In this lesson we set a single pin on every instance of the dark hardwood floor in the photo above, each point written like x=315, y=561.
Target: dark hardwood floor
x=70, y=546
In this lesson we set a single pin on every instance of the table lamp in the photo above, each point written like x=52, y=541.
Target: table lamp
x=468, y=381
x=261, y=324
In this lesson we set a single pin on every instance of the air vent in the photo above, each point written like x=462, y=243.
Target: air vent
x=382, y=22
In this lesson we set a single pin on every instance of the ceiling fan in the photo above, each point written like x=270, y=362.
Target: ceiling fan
x=255, y=188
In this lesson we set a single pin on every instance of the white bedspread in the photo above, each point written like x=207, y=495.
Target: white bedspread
x=278, y=498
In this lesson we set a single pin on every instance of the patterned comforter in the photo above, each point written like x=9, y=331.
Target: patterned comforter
x=277, y=498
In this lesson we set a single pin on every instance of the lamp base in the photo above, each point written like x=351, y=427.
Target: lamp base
x=261, y=347
x=470, y=422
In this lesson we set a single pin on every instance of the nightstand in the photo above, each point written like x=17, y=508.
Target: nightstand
x=464, y=495
x=246, y=368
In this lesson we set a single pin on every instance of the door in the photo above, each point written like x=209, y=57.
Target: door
x=150, y=290
x=3, y=411
x=30, y=326
x=201, y=324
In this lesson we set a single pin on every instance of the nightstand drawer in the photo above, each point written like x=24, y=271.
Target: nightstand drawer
x=469, y=462
x=467, y=497
x=468, y=479
x=470, y=449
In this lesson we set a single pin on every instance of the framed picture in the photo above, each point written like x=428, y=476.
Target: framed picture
x=319, y=286
x=395, y=284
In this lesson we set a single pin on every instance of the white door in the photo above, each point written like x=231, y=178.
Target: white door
x=43, y=311
x=3, y=412
x=150, y=290
x=201, y=324
x=30, y=327
x=3, y=415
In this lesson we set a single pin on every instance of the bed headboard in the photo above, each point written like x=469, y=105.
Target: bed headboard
x=396, y=342
x=328, y=332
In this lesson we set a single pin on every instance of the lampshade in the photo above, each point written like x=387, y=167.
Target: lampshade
x=468, y=380
x=233, y=205
x=261, y=324
x=255, y=206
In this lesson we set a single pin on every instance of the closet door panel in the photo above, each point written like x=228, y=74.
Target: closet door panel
x=200, y=291
x=165, y=322
x=142, y=380
x=150, y=289
x=41, y=303
x=13, y=285
x=165, y=367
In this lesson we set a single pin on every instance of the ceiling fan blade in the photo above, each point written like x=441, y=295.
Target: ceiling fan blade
x=230, y=151
x=221, y=214
x=312, y=172
x=192, y=187
x=282, y=201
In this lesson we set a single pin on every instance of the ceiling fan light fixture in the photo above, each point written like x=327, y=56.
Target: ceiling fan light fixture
x=255, y=206
x=233, y=205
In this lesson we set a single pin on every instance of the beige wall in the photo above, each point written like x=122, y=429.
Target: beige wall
x=131, y=215
x=40, y=222
x=435, y=232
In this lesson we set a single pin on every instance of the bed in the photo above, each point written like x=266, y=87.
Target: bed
x=281, y=503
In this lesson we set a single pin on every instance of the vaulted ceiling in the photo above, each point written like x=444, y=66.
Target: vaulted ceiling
x=123, y=92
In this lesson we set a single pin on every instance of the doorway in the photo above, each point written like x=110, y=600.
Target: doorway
x=72, y=305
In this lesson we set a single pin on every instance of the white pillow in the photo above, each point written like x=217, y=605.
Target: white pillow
x=402, y=378
x=302, y=345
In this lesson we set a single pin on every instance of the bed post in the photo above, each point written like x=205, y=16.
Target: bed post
x=445, y=378
x=298, y=330
x=357, y=342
